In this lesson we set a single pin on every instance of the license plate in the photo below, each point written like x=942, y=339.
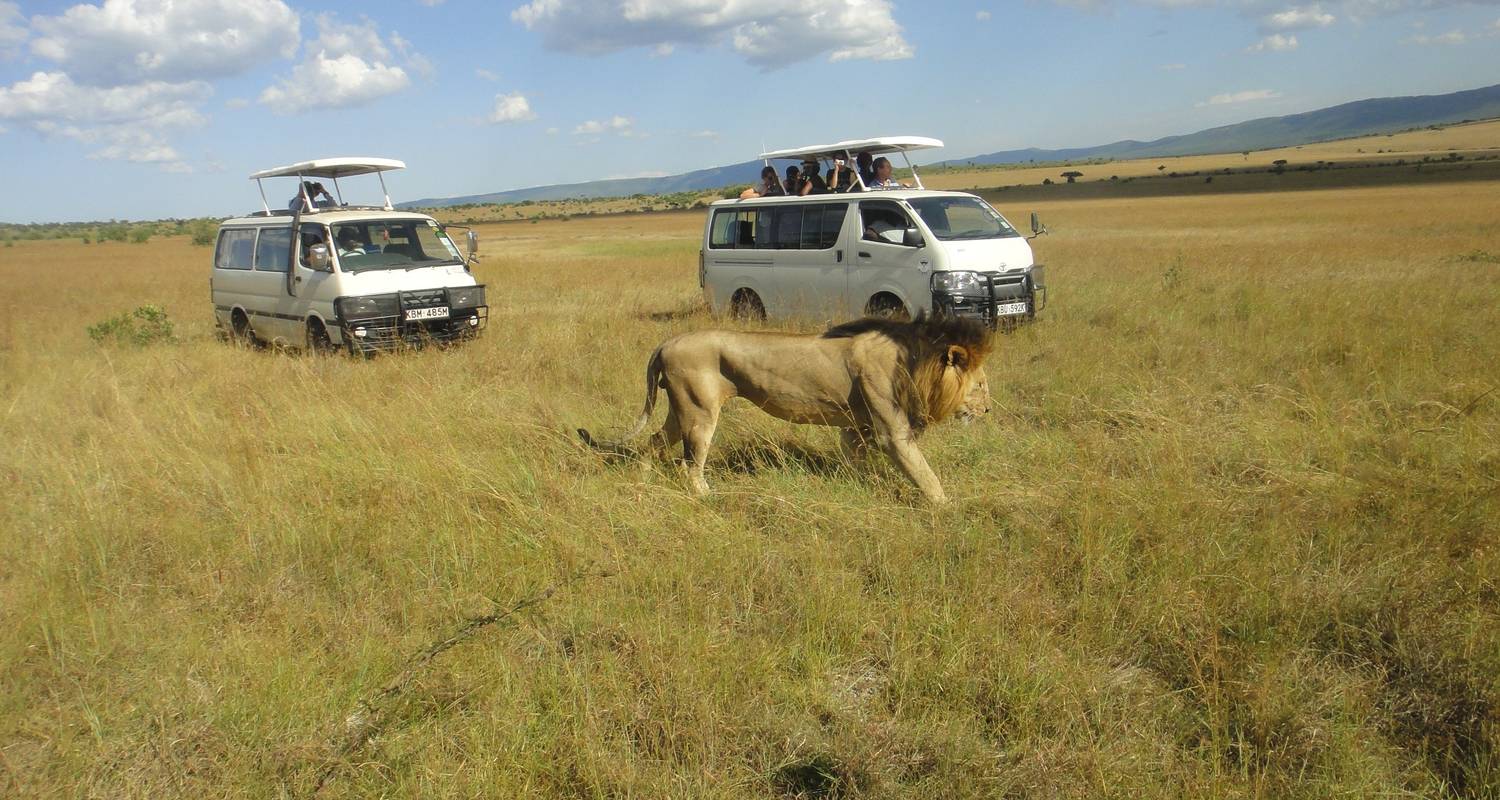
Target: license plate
x=1008, y=309
x=437, y=312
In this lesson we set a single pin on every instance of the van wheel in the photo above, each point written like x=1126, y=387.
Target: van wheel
x=746, y=306
x=318, y=340
x=239, y=330
x=887, y=306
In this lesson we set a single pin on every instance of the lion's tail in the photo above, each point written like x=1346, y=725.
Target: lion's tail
x=653, y=384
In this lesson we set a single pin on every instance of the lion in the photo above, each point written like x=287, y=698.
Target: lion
x=878, y=380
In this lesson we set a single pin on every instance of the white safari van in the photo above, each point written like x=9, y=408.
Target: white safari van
x=869, y=250
x=326, y=274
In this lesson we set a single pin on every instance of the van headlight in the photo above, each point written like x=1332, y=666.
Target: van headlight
x=466, y=296
x=957, y=282
x=369, y=305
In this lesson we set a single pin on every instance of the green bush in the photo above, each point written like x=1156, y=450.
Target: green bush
x=203, y=235
x=143, y=326
x=140, y=235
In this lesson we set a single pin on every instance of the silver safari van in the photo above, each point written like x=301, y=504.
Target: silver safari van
x=327, y=274
x=870, y=250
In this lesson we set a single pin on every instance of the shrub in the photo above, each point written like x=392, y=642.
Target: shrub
x=140, y=235
x=143, y=326
x=203, y=235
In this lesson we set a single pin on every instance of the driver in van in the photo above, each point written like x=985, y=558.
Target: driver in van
x=348, y=241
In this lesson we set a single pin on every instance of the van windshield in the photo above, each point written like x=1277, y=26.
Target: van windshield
x=392, y=244
x=962, y=218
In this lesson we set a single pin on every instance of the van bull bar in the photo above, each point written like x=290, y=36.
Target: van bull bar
x=414, y=318
x=990, y=296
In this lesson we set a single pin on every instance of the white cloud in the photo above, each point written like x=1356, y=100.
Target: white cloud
x=13, y=31
x=1240, y=97
x=705, y=134
x=1296, y=19
x=553, y=131
x=236, y=102
x=1451, y=38
x=616, y=124
x=982, y=16
x=123, y=122
x=431, y=3
x=485, y=75
x=349, y=64
x=130, y=41
x=512, y=107
x=1275, y=43
x=767, y=33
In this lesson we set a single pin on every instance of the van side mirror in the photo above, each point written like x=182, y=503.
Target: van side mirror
x=911, y=237
x=317, y=258
x=1037, y=228
x=473, y=239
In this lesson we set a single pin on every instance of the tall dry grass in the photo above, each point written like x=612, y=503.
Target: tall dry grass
x=1231, y=532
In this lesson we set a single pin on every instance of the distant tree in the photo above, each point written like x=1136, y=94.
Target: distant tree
x=1279, y=165
x=1161, y=167
x=1245, y=154
x=1072, y=175
x=1046, y=181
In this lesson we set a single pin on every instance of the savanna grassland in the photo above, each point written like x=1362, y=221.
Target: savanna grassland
x=1231, y=531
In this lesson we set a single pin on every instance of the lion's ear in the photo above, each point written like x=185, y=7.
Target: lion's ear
x=957, y=357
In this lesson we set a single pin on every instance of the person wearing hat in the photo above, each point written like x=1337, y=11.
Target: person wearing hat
x=812, y=181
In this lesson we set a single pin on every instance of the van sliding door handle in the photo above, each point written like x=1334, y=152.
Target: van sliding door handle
x=863, y=254
x=839, y=256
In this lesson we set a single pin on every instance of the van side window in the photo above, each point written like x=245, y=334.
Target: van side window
x=878, y=218
x=787, y=227
x=310, y=234
x=736, y=229
x=821, y=226
x=273, y=249
x=235, y=249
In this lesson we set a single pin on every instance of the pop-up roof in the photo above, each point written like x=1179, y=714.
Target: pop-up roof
x=848, y=149
x=333, y=169
x=875, y=147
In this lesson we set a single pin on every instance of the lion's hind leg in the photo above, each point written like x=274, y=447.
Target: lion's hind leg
x=696, y=424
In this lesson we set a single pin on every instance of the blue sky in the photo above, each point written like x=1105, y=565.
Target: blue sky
x=141, y=109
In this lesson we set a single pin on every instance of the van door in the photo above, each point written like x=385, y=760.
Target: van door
x=811, y=272
x=306, y=282
x=236, y=285
x=884, y=264
x=733, y=261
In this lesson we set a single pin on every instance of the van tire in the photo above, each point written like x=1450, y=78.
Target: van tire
x=887, y=306
x=747, y=307
x=318, y=340
x=240, y=332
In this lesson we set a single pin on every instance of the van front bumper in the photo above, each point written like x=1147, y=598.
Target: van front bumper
x=410, y=326
x=995, y=297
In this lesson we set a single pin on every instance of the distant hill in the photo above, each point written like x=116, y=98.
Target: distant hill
x=1362, y=117
x=712, y=178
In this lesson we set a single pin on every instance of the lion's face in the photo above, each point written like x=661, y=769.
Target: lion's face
x=977, y=399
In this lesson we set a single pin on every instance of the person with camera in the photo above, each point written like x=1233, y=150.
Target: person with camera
x=812, y=181
x=311, y=190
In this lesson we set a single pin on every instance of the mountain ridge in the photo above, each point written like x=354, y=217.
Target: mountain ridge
x=1346, y=120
